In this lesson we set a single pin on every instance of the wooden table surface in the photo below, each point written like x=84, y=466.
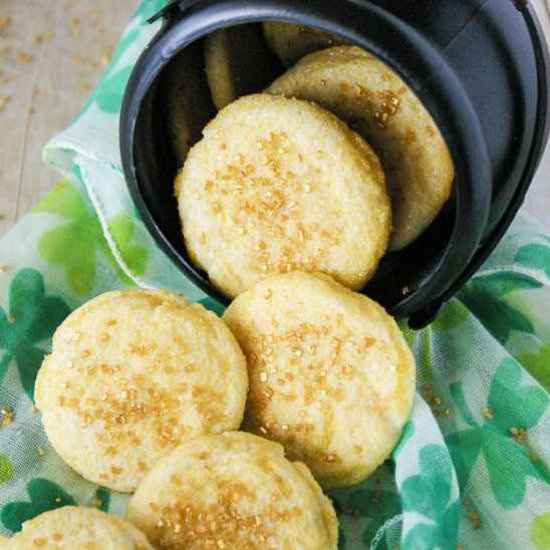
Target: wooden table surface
x=52, y=53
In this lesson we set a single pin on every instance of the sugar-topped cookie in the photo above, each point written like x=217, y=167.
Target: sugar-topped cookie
x=331, y=375
x=374, y=100
x=72, y=527
x=278, y=185
x=130, y=376
x=233, y=491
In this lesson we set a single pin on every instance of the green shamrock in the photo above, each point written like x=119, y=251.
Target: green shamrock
x=213, y=305
x=487, y=296
x=75, y=244
x=540, y=532
x=451, y=316
x=535, y=256
x=33, y=318
x=102, y=499
x=6, y=469
x=109, y=92
x=369, y=505
x=148, y=8
x=429, y=494
x=511, y=407
x=44, y=495
x=538, y=364
x=379, y=506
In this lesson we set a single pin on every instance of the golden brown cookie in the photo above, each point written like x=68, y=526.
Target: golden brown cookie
x=131, y=375
x=238, y=62
x=233, y=491
x=331, y=375
x=72, y=528
x=291, y=42
x=373, y=99
x=278, y=185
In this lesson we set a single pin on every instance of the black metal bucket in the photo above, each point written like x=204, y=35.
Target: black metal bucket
x=481, y=68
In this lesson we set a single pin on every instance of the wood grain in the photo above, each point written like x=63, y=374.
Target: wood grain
x=52, y=53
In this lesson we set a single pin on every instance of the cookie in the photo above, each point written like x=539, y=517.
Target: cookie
x=187, y=102
x=231, y=491
x=373, y=99
x=238, y=62
x=77, y=527
x=290, y=42
x=278, y=185
x=131, y=375
x=331, y=375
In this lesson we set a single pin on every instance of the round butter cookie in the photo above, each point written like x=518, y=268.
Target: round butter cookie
x=290, y=42
x=233, y=491
x=238, y=62
x=279, y=185
x=331, y=375
x=373, y=99
x=131, y=375
x=187, y=102
x=73, y=527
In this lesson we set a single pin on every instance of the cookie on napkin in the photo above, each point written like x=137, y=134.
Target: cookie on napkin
x=233, y=491
x=131, y=375
x=72, y=527
x=331, y=375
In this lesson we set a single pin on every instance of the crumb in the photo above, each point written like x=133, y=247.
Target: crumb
x=25, y=57
x=7, y=79
x=7, y=416
x=4, y=100
x=5, y=22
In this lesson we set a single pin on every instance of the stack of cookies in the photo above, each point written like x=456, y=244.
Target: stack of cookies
x=289, y=201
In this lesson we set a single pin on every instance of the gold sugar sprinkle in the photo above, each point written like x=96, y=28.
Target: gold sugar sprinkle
x=40, y=451
x=473, y=516
x=488, y=413
x=519, y=434
x=25, y=57
x=8, y=416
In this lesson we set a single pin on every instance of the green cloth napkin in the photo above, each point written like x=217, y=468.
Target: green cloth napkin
x=472, y=467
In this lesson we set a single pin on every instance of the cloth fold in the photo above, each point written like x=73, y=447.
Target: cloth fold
x=472, y=467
